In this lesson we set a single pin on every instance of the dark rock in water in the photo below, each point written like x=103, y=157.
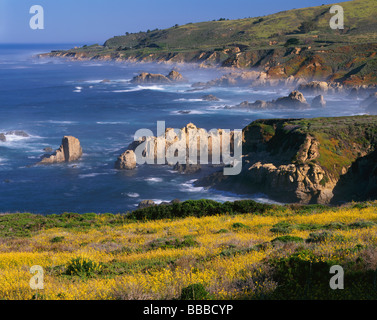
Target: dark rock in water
x=48, y=149
x=372, y=108
x=105, y=81
x=210, y=97
x=146, y=203
x=295, y=99
x=145, y=77
x=3, y=138
x=368, y=101
x=184, y=111
x=187, y=168
x=7, y=181
x=200, y=85
x=69, y=150
x=18, y=133
x=318, y=102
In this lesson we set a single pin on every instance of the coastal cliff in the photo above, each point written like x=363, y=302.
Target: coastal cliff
x=306, y=160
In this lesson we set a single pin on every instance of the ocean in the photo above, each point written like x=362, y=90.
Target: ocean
x=50, y=98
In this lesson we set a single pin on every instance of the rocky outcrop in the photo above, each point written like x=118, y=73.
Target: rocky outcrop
x=370, y=104
x=210, y=97
x=314, y=87
x=145, y=77
x=70, y=150
x=175, y=76
x=368, y=101
x=173, y=138
x=187, y=168
x=146, y=204
x=318, y=102
x=372, y=108
x=306, y=160
x=126, y=161
x=18, y=133
x=294, y=100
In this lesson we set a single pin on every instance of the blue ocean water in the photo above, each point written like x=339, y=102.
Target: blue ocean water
x=51, y=98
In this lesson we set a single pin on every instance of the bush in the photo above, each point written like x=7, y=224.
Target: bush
x=308, y=26
x=237, y=226
x=194, y=291
x=362, y=224
x=318, y=237
x=57, y=239
x=198, y=208
x=82, y=267
x=292, y=42
x=282, y=227
x=286, y=239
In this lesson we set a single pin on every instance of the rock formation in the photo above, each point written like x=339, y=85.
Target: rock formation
x=368, y=101
x=318, y=102
x=294, y=100
x=306, y=160
x=3, y=138
x=175, y=76
x=145, y=77
x=210, y=97
x=145, y=204
x=70, y=150
x=18, y=133
x=127, y=161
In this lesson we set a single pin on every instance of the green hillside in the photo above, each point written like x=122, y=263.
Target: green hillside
x=297, y=43
x=360, y=25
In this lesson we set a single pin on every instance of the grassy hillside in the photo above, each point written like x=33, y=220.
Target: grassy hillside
x=286, y=253
x=297, y=43
x=360, y=26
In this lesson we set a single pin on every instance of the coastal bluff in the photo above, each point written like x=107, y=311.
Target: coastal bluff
x=307, y=161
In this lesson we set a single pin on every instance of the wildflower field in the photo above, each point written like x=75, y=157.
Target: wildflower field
x=284, y=252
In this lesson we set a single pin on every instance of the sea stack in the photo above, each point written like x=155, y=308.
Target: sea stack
x=70, y=150
x=126, y=161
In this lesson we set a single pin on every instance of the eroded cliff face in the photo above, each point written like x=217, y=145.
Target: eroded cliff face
x=305, y=160
x=335, y=65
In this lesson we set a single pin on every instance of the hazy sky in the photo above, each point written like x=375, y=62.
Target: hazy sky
x=94, y=21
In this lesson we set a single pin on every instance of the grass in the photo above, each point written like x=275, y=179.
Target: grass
x=284, y=253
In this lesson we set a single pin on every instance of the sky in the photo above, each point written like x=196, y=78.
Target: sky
x=94, y=21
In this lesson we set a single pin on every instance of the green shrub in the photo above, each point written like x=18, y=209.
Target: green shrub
x=222, y=231
x=286, y=239
x=292, y=42
x=237, y=226
x=282, y=227
x=198, y=208
x=318, y=237
x=57, y=239
x=82, y=267
x=362, y=224
x=194, y=291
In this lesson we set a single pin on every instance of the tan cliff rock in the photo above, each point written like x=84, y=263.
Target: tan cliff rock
x=69, y=150
x=127, y=160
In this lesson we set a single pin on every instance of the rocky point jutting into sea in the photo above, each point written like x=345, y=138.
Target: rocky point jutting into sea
x=320, y=160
